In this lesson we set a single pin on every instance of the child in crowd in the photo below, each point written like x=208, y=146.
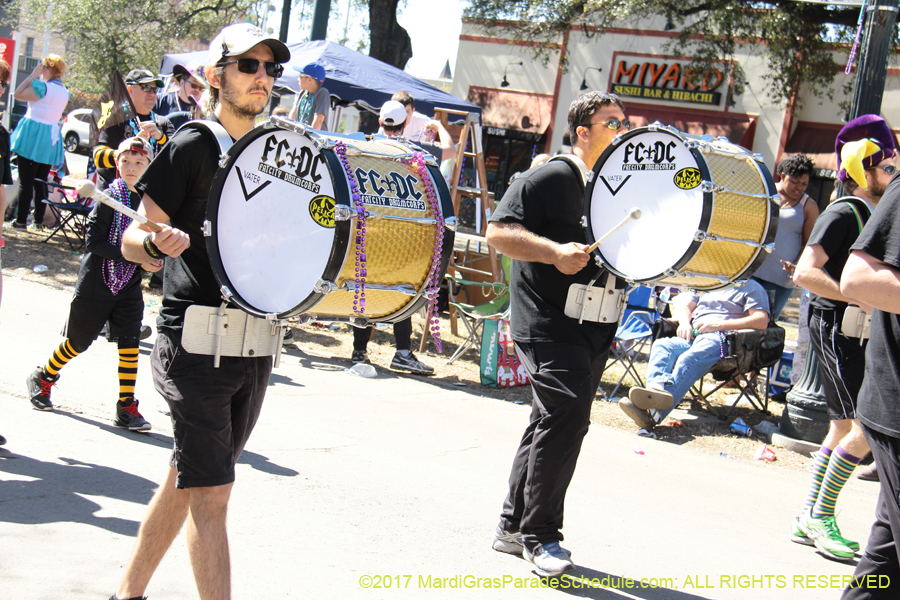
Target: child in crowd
x=108, y=289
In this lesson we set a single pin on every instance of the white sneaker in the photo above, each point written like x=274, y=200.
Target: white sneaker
x=549, y=560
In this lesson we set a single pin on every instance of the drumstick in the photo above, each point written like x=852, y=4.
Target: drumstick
x=633, y=214
x=89, y=190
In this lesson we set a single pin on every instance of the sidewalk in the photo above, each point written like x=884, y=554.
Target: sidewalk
x=346, y=478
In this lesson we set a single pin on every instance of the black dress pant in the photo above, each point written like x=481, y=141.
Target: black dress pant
x=564, y=380
x=29, y=190
x=402, y=335
x=877, y=574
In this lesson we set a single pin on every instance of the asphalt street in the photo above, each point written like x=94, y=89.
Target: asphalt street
x=377, y=488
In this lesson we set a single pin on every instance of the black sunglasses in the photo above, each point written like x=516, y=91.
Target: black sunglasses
x=613, y=124
x=250, y=66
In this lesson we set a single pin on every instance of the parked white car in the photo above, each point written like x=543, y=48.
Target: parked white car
x=76, y=129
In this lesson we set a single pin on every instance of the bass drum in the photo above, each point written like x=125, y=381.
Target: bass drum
x=282, y=235
x=709, y=209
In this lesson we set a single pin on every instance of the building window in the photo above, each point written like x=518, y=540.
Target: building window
x=29, y=47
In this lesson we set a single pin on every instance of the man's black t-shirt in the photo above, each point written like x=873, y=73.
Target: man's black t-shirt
x=111, y=137
x=548, y=201
x=90, y=275
x=878, y=405
x=178, y=181
x=836, y=230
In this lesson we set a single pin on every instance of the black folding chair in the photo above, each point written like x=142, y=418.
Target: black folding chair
x=71, y=218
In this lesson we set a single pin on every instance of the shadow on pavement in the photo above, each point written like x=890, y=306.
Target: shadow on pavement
x=589, y=583
x=57, y=491
x=257, y=461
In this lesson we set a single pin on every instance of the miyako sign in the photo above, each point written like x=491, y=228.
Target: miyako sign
x=669, y=80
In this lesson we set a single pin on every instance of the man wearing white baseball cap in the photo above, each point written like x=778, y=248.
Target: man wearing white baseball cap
x=213, y=409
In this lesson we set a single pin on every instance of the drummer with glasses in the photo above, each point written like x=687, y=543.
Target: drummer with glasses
x=538, y=225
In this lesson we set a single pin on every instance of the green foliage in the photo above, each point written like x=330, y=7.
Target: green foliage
x=797, y=35
x=127, y=34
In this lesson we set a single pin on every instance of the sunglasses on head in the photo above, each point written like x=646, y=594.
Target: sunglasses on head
x=250, y=66
x=613, y=124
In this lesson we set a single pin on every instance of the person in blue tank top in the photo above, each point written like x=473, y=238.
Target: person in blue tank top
x=36, y=139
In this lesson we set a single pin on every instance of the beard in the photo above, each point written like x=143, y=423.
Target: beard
x=231, y=97
x=876, y=188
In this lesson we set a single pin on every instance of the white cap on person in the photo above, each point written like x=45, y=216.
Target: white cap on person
x=241, y=37
x=392, y=113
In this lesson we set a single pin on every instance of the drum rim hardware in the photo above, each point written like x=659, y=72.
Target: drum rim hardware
x=709, y=186
x=343, y=212
x=323, y=286
x=702, y=236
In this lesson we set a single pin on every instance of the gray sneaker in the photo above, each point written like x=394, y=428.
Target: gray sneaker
x=549, y=560
x=39, y=386
x=410, y=363
x=641, y=417
x=511, y=542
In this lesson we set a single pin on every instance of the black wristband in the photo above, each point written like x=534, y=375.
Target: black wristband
x=151, y=249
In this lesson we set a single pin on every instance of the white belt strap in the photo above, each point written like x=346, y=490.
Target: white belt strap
x=230, y=332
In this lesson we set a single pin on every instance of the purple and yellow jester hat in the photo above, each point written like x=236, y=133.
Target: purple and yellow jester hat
x=861, y=144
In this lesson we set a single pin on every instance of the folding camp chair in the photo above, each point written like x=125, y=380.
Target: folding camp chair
x=71, y=212
x=632, y=335
x=473, y=316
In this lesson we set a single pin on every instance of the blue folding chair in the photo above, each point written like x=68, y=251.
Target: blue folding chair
x=633, y=335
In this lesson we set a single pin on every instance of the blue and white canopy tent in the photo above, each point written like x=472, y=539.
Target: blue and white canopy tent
x=352, y=78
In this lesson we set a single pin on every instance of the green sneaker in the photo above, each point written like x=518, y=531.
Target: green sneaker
x=797, y=535
x=827, y=537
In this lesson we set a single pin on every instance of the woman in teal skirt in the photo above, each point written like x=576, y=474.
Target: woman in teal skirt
x=36, y=139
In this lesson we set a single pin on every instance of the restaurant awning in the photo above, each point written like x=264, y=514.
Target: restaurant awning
x=739, y=129
x=521, y=111
x=815, y=140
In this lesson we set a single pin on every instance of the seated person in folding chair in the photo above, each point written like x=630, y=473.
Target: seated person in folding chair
x=108, y=289
x=677, y=362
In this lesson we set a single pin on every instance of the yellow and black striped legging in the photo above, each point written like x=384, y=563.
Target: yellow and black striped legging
x=128, y=364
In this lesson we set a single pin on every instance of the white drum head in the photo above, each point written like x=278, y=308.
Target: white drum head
x=655, y=172
x=274, y=226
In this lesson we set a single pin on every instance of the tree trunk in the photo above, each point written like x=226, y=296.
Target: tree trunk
x=388, y=42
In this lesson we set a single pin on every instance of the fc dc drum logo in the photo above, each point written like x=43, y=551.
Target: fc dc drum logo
x=688, y=178
x=321, y=209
